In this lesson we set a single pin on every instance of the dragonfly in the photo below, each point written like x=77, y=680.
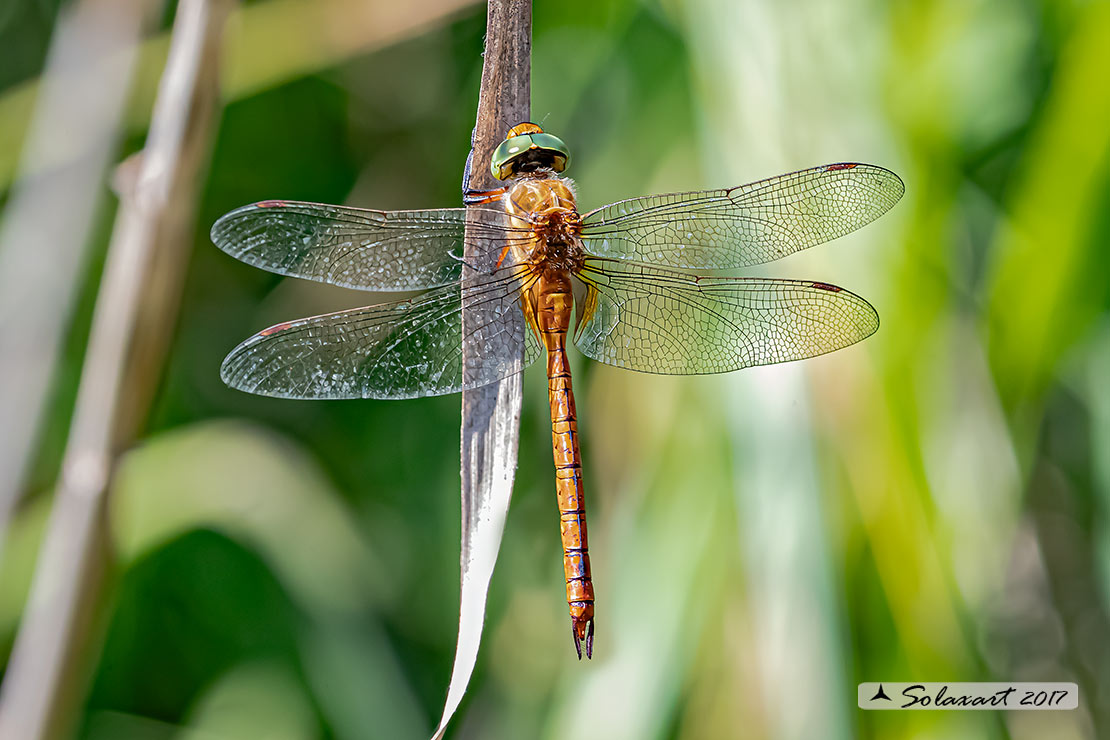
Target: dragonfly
x=505, y=274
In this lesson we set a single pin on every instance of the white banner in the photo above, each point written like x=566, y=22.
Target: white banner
x=968, y=695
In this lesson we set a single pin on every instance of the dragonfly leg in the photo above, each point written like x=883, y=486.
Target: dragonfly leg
x=463, y=260
x=480, y=197
x=504, y=253
x=472, y=197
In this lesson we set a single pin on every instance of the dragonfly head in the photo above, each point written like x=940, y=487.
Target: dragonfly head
x=528, y=147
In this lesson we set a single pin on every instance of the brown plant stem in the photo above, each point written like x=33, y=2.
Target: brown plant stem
x=491, y=414
x=134, y=315
x=47, y=224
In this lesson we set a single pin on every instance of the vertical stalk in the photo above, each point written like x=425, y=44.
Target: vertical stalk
x=135, y=311
x=490, y=415
x=48, y=221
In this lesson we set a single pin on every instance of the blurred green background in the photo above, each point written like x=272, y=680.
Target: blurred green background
x=929, y=505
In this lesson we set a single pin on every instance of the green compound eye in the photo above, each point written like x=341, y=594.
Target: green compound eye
x=507, y=153
x=538, y=149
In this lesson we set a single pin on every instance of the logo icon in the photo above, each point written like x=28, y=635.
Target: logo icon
x=880, y=694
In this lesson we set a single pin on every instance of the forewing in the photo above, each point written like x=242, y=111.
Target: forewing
x=406, y=349
x=661, y=321
x=745, y=225
x=356, y=247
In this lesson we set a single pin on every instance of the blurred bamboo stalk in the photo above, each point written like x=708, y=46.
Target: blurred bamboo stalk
x=491, y=414
x=48, y=221
x=134, y=316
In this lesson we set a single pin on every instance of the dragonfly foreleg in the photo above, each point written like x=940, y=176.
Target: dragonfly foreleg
x=481, y=270
x=472, y=197
x=481, y=197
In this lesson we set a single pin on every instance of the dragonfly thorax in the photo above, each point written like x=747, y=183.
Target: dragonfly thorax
x=558, y=255
x=546, y=207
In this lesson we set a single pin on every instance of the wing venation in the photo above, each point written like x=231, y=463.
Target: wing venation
x=360, y=248
x=663, y=321
x=746, y=225
x=405, y=349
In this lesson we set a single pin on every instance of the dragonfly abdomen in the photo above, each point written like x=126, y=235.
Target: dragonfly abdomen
x=571, y=498
x=553, y=300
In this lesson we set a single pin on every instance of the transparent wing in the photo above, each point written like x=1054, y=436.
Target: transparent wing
x=406, y=349
x=662, y=321
x=745, y=225
x=360, y=248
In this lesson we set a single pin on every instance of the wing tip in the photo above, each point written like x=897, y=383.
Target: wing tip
x=897, y=186
x=222, y=225
x=230, y=371
x=239, y=369
x=866, y=310
x=867, y=314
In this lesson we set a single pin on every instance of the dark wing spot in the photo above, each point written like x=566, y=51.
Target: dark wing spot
x=840, y=166
x=269, y=203
x=827, y=286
